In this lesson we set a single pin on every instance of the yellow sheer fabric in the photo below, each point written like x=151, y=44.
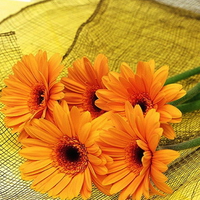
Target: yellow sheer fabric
x=125, y=31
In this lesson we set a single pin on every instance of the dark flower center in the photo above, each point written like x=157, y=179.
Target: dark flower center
x=71, y=153
x=36, y=100
x=143, y=105
x=134, y=156
x=93, y=99
x=40, y=97
x=89, y=99
x=138, y=154
x=143, y=100
x=70, y=156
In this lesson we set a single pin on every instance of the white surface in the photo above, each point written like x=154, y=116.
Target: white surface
x=9, y=7
x=192, y=5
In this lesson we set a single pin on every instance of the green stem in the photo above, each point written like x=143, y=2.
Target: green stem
x=184, y=145
x=196, y=97
x=183, y=75
x=189, y=107
x=190, y=94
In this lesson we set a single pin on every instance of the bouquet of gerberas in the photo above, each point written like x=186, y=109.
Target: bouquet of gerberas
x=95, y=126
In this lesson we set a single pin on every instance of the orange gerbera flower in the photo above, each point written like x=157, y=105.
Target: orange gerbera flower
x=63, y=158
x=32, y=91
x=146, y=88
x=137, y=167
x=82, y=83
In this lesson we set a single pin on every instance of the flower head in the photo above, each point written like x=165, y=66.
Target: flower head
x=63, y=157
x=32, y=90
x=83, y=80
x=145, y=88
x=137, y=167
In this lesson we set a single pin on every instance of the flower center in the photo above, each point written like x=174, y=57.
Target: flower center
x=70, y=156
x=143, y=100
x=134, y=156
x=36, y=99
x=71, y=153
x=89, y=99
x=93, y=99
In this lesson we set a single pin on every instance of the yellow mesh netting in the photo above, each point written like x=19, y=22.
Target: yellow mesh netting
x=125, y=31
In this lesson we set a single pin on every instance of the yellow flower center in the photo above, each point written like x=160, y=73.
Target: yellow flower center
x=134, y=156
x=36, y=99
x=143, y=100
x=70, y=156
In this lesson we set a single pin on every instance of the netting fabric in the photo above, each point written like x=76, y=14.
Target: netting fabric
x=125, y=31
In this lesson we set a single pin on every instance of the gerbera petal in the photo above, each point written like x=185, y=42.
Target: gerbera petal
x=33, y=167
x=126, y=71
x=168, y=131
x=41, y=134
x=98, y=183
x=17, y=120
x=155, y=90
x=47, y=126
x=36, y=153
x=54, y=67
x=78, y=119
x=90, y=71
x=120, y=123
x=54, y=181
x=41, y=59
x=29, y=142
x=85, y=132
x=121, y=184
x=29, y=60
x=44, y=175
x=145, y=185
x=85, y=194
x=162, y=186
x=161, y=75
x=87, y=179
x=73, y=188
x=40, y=187
x=166, y=155
x=172, y=92
x=56, y=91
x=157, y=175
x=100, y=170
x=94, y=159
x=101, y=68
x=90, y=167
x=108, y=136
x=164, y=116
x=60, y=114
x=23, y=74
x=112, y=178
x=130, y=189
x=172, y=110
x=117, y=166
x=73, y=98
x=85, y=118
x=159, y=165
x=154, y=140
x=73, y=85
x=138, y=193
x=76, y=184
x=142, y=144
x=60, y=186
x=16, y=111
x=153, y=191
